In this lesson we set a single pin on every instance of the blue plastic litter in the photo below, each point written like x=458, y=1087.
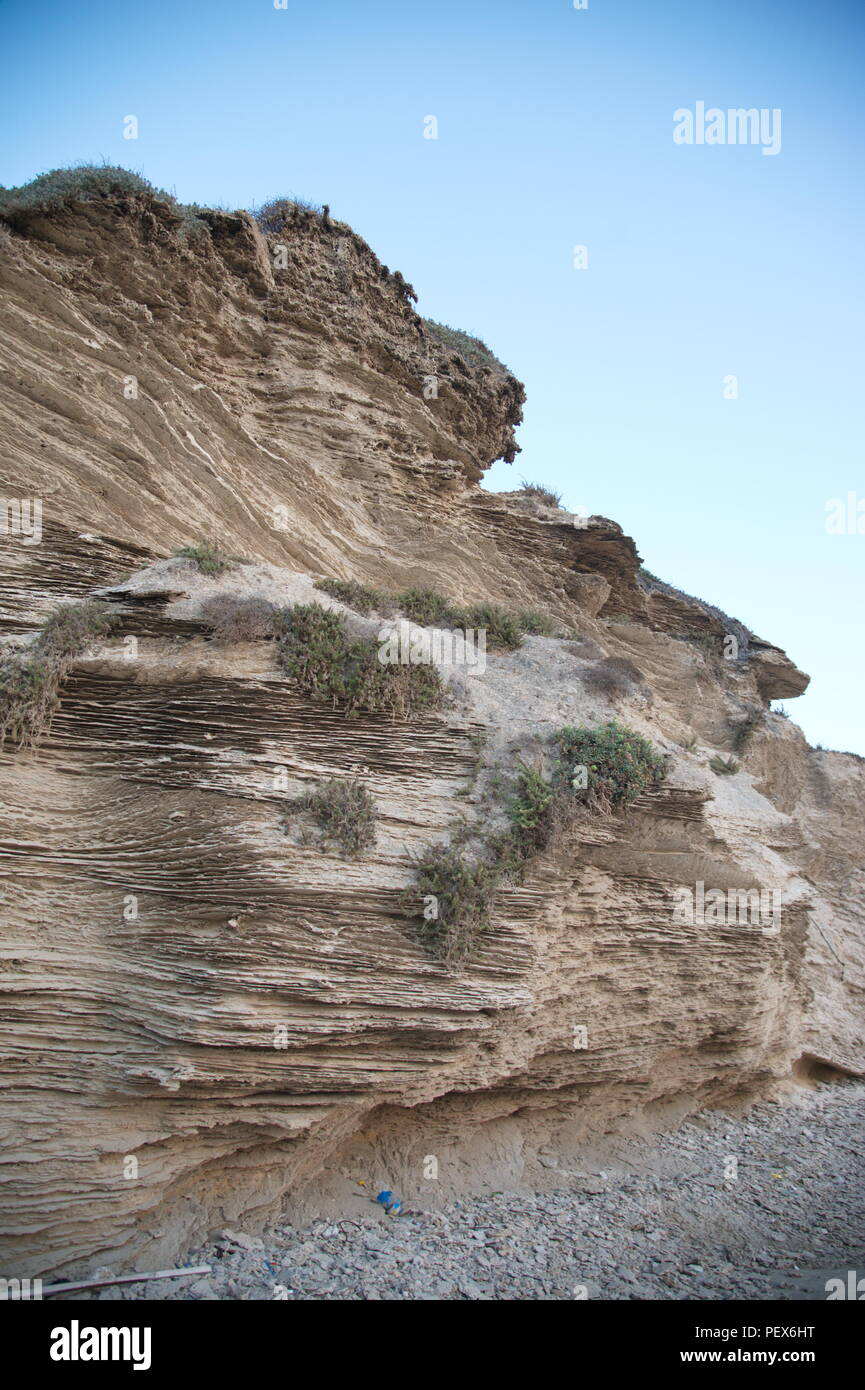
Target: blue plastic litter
x=391, y=1204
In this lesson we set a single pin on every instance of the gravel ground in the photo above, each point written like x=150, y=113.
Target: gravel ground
x=665, y=1220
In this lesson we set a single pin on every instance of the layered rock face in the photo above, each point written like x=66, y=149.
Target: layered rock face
x=202, y=1008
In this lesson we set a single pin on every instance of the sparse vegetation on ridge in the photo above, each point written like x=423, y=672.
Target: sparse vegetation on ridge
x=237, y=619
x=842, y=752
x=88, y=183
x=363, y=598
x=316, y=652
x=502, y=627
x=541, y=493
x=473, y=350
x=429, y=608
x=278, y=213
x=209, y=557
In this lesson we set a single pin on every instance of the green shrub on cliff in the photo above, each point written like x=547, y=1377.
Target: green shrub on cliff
x=278, y=213
x=86, y=183
x=504, y=629
x=457, y=894
x=345, y=811
x=73, y=627
x=363, y=598
x=29, y=695
x=594, y=772
x=725, y=767
x=429, y=608
x=78, y=184
x=30, y=680
x=541, y=493
x=619, y=764
x=534, y=623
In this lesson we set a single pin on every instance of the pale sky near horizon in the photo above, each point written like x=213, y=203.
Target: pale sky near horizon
x=705, y=261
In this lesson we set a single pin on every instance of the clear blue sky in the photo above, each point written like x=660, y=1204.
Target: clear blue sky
x=555, y=129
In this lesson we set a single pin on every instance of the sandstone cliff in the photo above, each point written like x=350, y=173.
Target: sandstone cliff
x=161, y=929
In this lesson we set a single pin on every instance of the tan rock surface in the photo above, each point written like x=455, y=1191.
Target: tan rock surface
x=159, y=924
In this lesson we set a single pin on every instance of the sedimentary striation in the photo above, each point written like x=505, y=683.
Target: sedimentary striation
x=202, y=1007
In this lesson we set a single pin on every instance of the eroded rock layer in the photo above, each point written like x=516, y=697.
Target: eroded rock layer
x=200, y=1005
